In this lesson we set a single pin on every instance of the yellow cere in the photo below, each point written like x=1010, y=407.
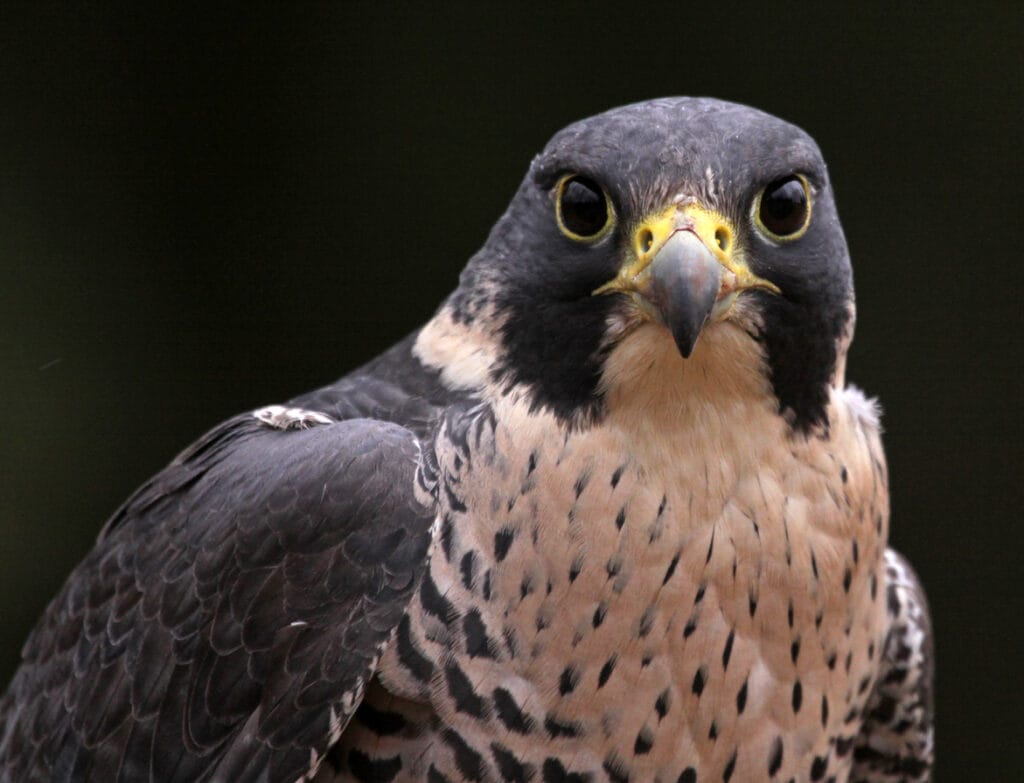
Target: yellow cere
x=711, y=228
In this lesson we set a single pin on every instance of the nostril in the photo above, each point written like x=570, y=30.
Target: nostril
x=646, y=240
x=722, y=239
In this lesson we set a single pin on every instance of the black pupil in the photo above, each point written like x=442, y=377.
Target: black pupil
x=584, y=210
x=784, y=206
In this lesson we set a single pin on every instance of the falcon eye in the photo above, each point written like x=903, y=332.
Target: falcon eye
x=783, y=208
x=583, y=209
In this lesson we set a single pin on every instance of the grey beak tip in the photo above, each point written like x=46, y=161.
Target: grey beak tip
x=685, y=277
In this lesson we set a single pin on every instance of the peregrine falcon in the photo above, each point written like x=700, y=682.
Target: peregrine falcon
x=612, y=514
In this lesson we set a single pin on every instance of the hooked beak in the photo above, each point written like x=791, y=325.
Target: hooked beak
x=683, y=272
x=683, y=282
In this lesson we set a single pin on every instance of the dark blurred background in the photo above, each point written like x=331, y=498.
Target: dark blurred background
x=204, y=212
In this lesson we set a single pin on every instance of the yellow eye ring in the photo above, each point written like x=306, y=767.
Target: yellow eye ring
x=782, y=209
x=583, y=209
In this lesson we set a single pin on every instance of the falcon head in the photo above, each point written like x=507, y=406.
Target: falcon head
x=672, y=239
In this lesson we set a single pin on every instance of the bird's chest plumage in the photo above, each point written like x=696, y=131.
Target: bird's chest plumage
x=587, y=612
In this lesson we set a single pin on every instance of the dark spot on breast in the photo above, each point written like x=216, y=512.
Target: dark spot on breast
x=613, y=566
x=606, y=672
x=789, y=613
x=690, y=627
x=557, y=728
x=831, y=662
x=511, y=642
x=844, y=474
x=508, y=765
x=775, y=757
x=688, y=775
x=433, y=776
x=502, y=541
x=599, y=614
x=671, y=568
x=617, y=475
x=470, y=763
x=646, y=621
x=581, y=484
x=798, y=696
x=814, y=564
x=824, y=710
x=713, y=731
x=368, y=770
x=818, y=767
x=699, y=679
x=741, y=698
x=543, y=620
x=554, y=772
x=729, y=767
x=568, y=680
x=727, y=652
x=874, y=586
x=844, y=745
x=643, y=743
x=510, y=714
x=486, y=588
x=461, y=690
x=794, y=650
x=752, y=604
x=525, y=586
x=616, y=770
x=847, y=578
x=433, y=602
x=574, y=568
x=478, y=643
x=468, y=569
x=856, y=552
x=532, y=463
x=620, y=519
x=700, y=594
x=662, y=703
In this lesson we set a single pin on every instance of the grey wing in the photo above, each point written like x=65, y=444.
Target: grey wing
x=230, y=615
x=896, y=742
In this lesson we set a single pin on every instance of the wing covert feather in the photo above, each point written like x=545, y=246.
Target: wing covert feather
x=226, y=622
